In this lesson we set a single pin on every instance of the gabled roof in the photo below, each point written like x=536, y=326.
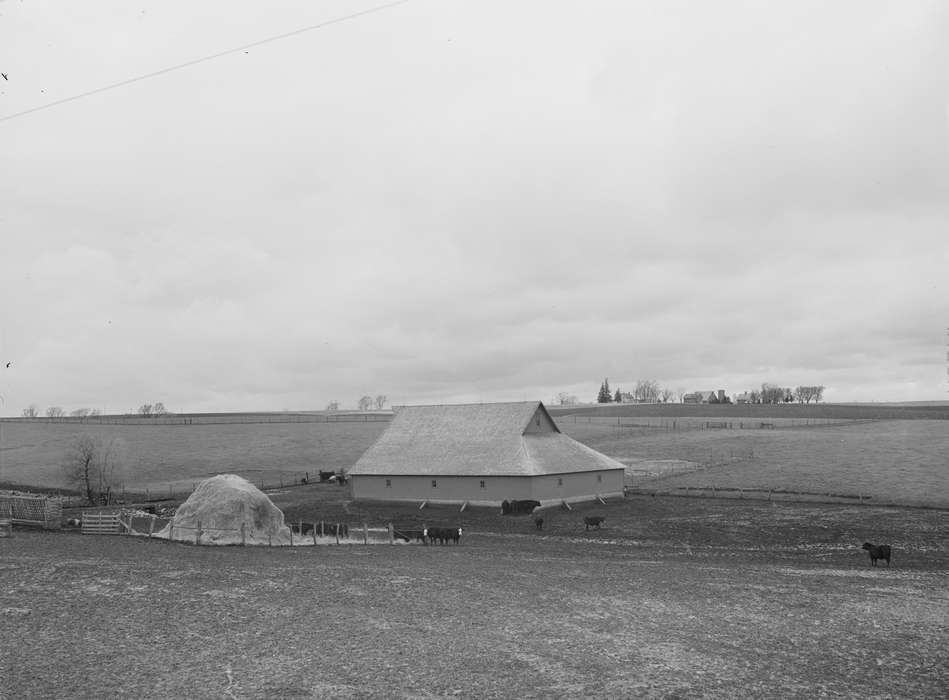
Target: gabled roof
x=476, y=440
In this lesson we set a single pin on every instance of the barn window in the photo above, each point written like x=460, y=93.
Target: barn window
x=538, y=421
x=599, y=477
x=559, y=482
x=434, y=484
x=388, y=483
x=482, y=483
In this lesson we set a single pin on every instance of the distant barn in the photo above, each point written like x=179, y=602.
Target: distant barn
x=481, y=454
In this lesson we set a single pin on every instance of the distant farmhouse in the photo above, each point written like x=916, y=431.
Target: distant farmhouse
x=705, y=397
x=481, y=454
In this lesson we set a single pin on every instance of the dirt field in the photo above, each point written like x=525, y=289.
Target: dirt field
x=674, y=597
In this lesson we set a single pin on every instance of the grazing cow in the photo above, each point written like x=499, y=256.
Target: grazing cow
x=877, y=551
x=593, y=521
x=538, y=522
x=505, y=507
x=444, y=535
x=524, y=506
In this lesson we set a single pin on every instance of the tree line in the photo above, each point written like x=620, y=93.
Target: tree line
x=364, y=403
x=148, y=410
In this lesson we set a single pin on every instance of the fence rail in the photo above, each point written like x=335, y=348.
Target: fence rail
x=32, y=510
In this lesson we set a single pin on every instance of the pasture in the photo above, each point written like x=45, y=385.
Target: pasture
x=895, y=461
x=155, y=456
x=674, y=597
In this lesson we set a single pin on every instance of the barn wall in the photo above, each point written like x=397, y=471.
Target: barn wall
x=455, y=489
x=578, y=486
x=458, y=489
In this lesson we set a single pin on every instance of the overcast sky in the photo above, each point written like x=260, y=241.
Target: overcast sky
x=450, y=201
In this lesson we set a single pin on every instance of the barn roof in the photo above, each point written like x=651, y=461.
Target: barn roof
x=476, y=440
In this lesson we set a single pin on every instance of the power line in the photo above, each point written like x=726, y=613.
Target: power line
x=187, y=64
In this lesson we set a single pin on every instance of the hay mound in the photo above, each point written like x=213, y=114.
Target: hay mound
x=220, y=505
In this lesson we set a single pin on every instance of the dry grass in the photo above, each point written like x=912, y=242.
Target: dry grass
x=674, y=598
x=158, y=455
x=892, y=461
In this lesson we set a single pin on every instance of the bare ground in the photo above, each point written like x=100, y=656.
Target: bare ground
x=673, y=598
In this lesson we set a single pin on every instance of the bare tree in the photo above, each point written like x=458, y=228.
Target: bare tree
x=55, y=412
x=32, y=412
x=95, y=412
x=381, y=401
x=646, y=391
x=145, y=410
x=364, y=403
x=666, y=394
x=565, y=399
x=79, y=413
x=332, y=406
x=159, y=409
x=818, y=393
x=92, y=466
x=771, y=393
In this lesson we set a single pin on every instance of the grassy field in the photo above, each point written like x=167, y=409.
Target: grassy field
x=901, y=461
x=937, y=410
x=674, y=597
x=158, y=455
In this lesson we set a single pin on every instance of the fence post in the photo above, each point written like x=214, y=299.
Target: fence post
x=146, y=494
x=337, y=533
x=270, y=539
x=243, y=534
x=151, y=526
x=770, y=491
x=197, y=534
x=314, y=533
x=291, y=536
x=391, y=534
x=365, y=533
x=321, y=529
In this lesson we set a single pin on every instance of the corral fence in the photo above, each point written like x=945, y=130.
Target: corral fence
x=641, y=471
x=32, y=510
x=698, y=423
x=324, y=532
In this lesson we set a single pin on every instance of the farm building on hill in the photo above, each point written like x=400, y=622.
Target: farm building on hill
x=481, y=454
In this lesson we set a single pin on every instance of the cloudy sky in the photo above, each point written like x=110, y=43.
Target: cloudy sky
x=450, y=200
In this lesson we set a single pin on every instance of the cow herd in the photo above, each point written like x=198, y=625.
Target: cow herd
x=430, y=535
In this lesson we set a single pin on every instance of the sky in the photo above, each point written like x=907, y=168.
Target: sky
x=455, y=201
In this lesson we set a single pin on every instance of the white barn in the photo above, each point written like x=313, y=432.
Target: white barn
x=481, y=454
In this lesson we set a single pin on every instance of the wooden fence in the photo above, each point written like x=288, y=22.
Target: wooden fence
x=102, y=524
x=32, y=510
x=316, y=533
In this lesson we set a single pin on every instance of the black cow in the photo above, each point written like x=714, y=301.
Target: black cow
x=505, y=507
x=524, y=506
x=444, y=535
x=326, y=476
x=877, y=551
x=593, y=521
x=538, y=522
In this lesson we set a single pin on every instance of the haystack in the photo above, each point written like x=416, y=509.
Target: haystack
x=220, y=506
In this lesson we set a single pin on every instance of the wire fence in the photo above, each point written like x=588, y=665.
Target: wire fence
x=297, y=533
x=698, y=423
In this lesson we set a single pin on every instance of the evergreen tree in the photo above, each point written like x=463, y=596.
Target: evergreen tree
x=604, y=396
x=618, y=398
